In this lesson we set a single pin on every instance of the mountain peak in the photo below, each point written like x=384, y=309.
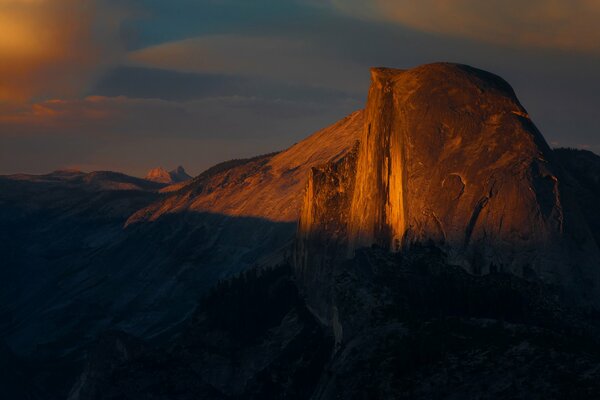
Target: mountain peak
x=270, y=186
x=158, y=174
x=449, y=156
x=161, y=175
x=179, y=175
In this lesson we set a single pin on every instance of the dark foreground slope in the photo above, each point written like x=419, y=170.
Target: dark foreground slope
x=416, y=327
x=84, y=253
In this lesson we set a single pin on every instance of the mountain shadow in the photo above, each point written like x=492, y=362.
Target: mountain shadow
x=408, y=326
x=70, y=270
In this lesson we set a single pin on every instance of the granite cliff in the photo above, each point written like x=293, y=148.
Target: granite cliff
x=268, y=186
x=448, y=157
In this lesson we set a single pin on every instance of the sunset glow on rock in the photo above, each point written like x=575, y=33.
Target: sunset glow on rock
x=299, y=199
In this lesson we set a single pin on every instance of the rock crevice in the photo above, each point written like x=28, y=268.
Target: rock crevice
x=449, y=156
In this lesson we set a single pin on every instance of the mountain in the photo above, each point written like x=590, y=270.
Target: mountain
x=583, y=167
x=429, y=246
x=92, y=181
x=449, y=157
x=269, y=186
x=161, y=175
x=446, y=252
x=85, y=253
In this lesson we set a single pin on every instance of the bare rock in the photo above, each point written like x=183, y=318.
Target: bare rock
x=448, y=156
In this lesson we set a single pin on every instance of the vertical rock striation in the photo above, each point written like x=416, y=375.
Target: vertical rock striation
x=449, y=156
x=322, y=229
x=377, y=212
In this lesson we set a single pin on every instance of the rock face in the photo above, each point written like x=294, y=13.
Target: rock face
x=269, y=186
x=449, y=156
x=85, y=253
x=179, y=175
x=161, y=175
x=584, y=169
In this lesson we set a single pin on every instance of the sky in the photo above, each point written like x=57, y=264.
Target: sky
x=128, y=85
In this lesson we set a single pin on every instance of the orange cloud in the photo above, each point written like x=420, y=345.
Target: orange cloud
x=51, y=114
x=55, y=47
x=91, y=115
x=558, y=24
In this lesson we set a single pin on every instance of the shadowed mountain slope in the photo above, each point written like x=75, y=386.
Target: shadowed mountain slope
x=72, y=267
x=269, y=186
x=583, y=168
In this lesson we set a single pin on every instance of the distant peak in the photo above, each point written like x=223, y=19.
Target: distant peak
x=179, y=175
x=161, y=175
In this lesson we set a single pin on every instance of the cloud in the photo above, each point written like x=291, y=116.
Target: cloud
x=120, y=117
x=135, y=134
x=139, y=82
x=92, y=116
x=56, y=47
x=558, y=24
x=292, y=60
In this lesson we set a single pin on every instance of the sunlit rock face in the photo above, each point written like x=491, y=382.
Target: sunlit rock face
x=161, y=175
x=448, y=156
x=270, y=187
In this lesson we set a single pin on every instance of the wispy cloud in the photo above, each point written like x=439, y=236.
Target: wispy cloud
x=92, y=116
x=285, y=59
x=56, y=47
x=135, y=134
x=559, y=24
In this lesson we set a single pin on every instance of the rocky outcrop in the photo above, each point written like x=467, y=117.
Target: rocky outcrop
x=448, y=156
x=71, y=270
x=269, y=186
x=583, y=167
x=179, y=175
x=322, y=229
x=161, y=175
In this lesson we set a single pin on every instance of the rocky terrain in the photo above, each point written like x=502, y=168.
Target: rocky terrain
x=450, y=157
x=161, y=175
x=83, y=253
x=269, y=186
x=430, y=246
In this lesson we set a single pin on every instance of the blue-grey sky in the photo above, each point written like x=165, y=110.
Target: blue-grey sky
x=129, y=85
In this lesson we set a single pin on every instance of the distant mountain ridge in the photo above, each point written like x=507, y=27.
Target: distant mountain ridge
x=96, y=180
x=161, y=175
x=269, y=186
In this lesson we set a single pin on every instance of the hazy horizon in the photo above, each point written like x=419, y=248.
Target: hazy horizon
x=137, y=84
